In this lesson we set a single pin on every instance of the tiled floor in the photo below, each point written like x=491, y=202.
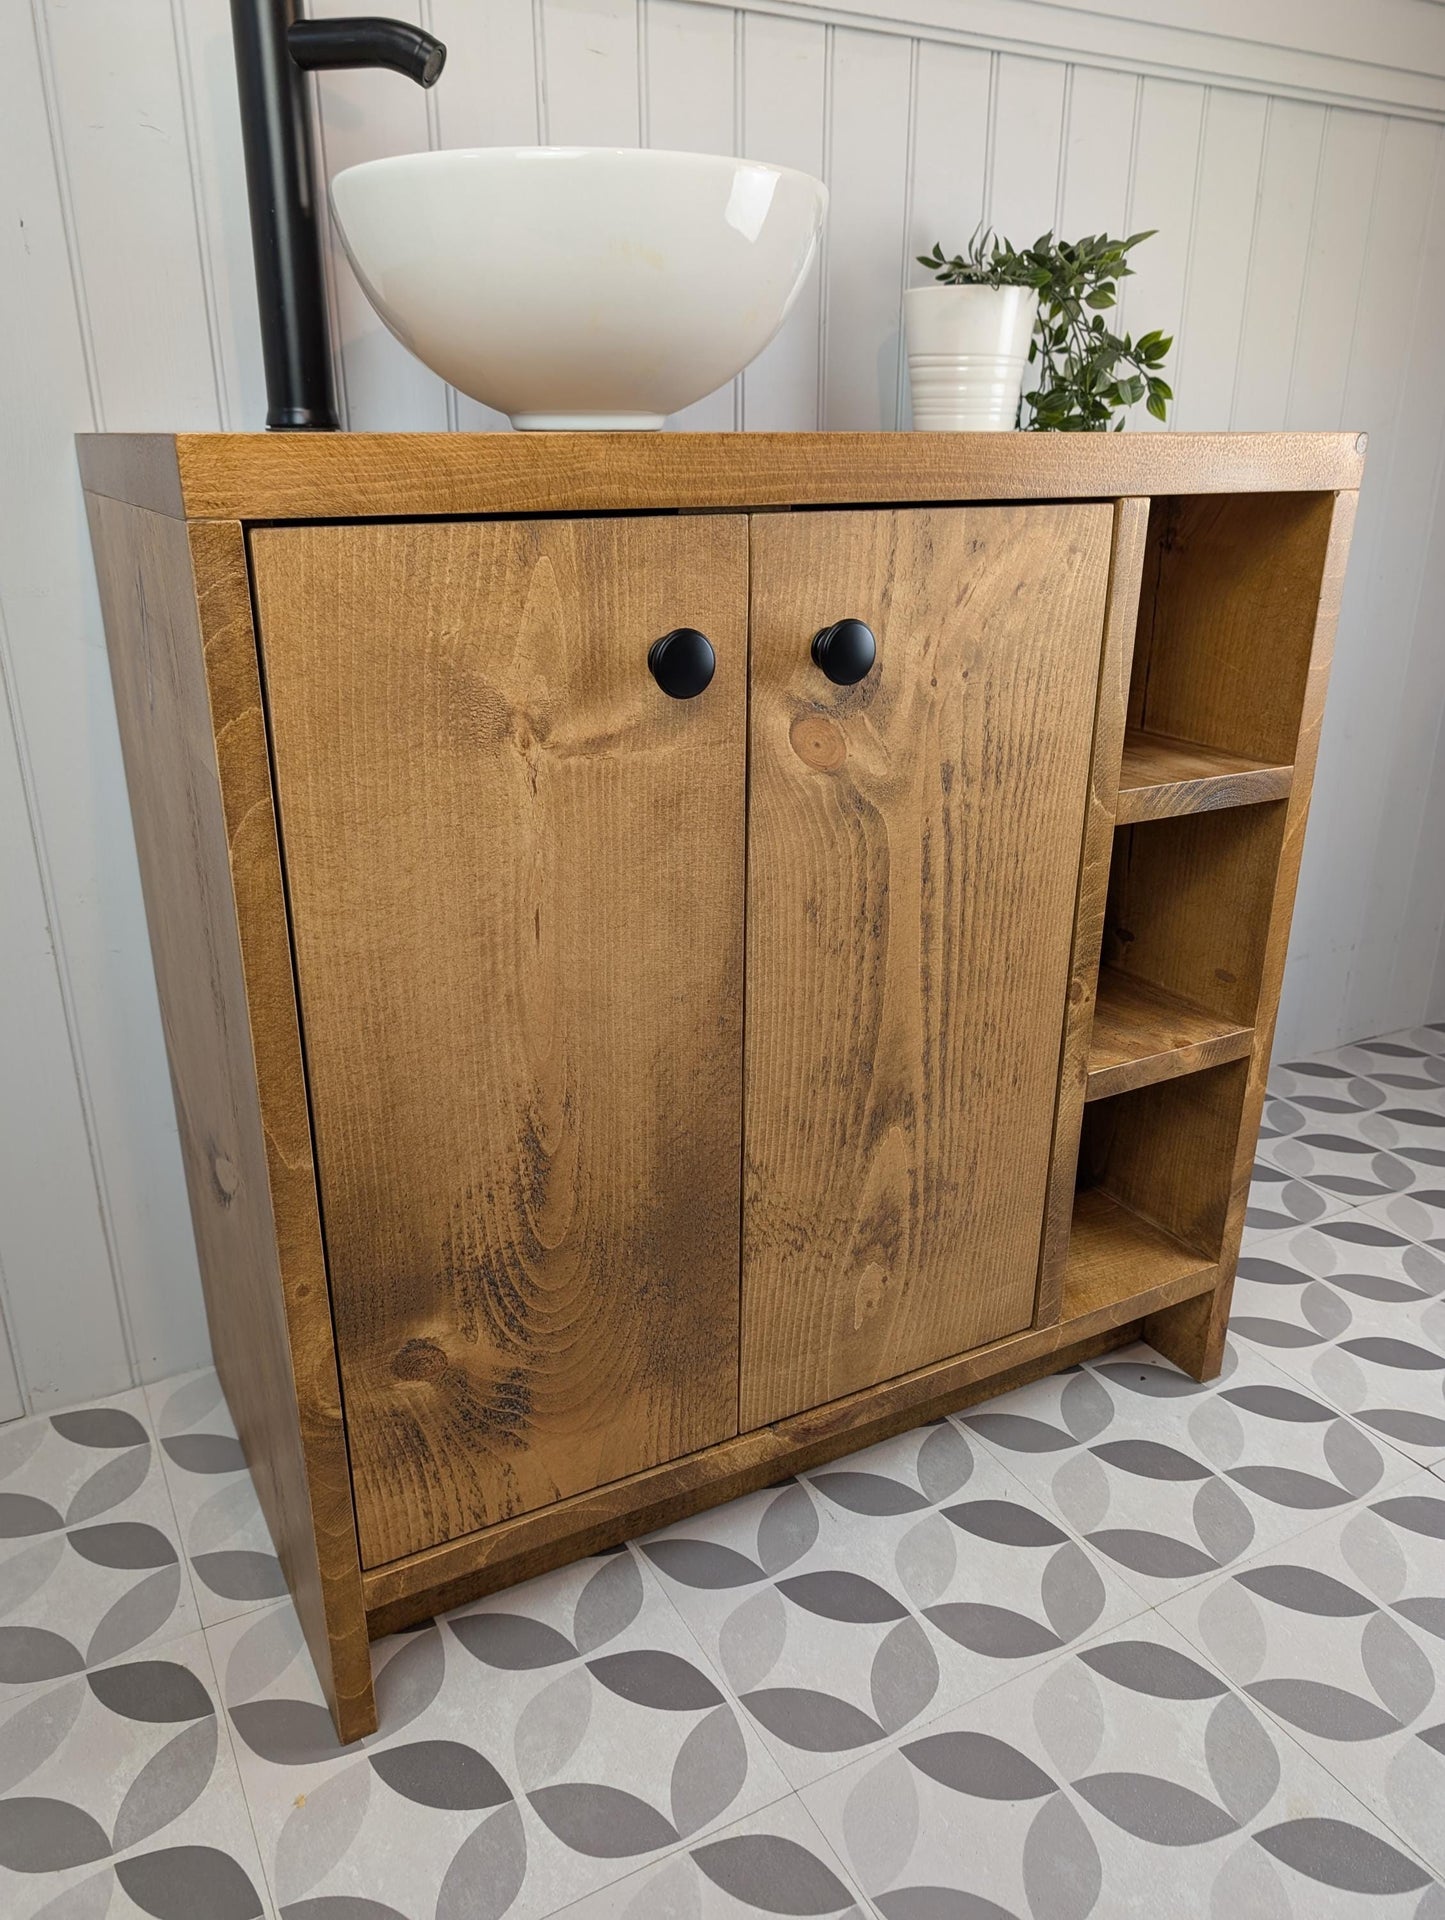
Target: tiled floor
x=1115, y=1644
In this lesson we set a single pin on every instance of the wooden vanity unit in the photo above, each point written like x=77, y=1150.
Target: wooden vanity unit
x=596, y=1103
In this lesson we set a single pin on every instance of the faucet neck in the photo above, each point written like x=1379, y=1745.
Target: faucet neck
x=275, y=47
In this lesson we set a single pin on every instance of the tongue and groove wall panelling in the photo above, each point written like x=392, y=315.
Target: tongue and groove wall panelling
x=869, y=114
x=1028, y=140
x=690, y=58
x=784, y=90
x=48, y=1211
x=1391, y=387
x=1099, y=128
x=1291, y=157
x=104, y=321
x=1324, y=941
x=1162, y=191
x=1226, y=189
x=1278, y=259
x=1398, y=376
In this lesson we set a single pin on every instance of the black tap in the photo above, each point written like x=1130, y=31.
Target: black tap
x=275, y=48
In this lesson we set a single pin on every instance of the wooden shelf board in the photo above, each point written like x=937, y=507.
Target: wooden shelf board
x=1143, y=1033
x=1121, y=1267
x=1161, y=778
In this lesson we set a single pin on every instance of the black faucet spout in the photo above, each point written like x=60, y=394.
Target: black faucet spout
x=275, y=48
x=315, y=44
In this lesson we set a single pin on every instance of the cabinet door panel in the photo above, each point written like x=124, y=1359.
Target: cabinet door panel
x=515, y=872
x=913, y=858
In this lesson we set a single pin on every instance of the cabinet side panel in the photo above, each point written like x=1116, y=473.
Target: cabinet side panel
x=1192, y=1335
x=178, y=624
x=1131, y=521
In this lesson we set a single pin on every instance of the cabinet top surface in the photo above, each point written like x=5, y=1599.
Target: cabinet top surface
x=311, y=476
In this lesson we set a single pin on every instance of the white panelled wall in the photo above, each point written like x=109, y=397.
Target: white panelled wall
x=1290, y=152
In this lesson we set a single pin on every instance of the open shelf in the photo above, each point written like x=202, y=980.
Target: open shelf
x=1161, y=777
x=1116, y=1257
x=1143, y=1033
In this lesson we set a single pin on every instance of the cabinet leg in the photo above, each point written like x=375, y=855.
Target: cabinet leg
x=1192, y=1334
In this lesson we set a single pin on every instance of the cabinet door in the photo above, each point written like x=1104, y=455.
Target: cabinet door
x=914, y=844
x=515, y=871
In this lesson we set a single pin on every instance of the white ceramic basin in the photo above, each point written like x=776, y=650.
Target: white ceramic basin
x=580, y=286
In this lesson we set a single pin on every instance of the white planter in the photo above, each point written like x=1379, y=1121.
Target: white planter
x=967, y=351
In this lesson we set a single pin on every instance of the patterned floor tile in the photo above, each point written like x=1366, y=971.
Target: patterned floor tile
x=1126, y=1778
x=1341, y=1638
x=224, y=1537
x=533, y=1748
x=879, y=1591
x=1340, y=1160
x=775, y=1862
x=1172, y=1480
x=1403, y=1062
x=89, y=1563
x=1420, y=1214
x=1352, y=1310
x=119, y=1795
x=1278, y=1200
x=1317, y=1093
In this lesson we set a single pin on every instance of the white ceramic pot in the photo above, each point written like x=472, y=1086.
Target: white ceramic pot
x=580, y=286
x=967, y=351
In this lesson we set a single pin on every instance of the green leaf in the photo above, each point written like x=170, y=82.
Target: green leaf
x=1155, y=404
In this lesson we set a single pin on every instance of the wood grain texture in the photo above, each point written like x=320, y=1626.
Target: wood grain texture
x=1189, y=905
x=1117, y=1258
x=1167, y=1152
x=1142, y=1033
x=178, y=622
x=516, y=880
x=1193, y=1335
x=1161, y=778
x=1131, y=519
x=913, y=857
x=1226, y=620
x=424, y=1584
x=259, y=476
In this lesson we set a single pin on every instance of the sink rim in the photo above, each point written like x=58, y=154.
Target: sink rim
x=677, y=158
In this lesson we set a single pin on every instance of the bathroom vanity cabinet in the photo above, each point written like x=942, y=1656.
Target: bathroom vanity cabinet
x=597, y=1103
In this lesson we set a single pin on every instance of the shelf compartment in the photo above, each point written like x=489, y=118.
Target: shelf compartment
x=1188, y=906
x=1143, y=1033
x=1166, y=1152
x=1162, y=778
x=1116, y=1258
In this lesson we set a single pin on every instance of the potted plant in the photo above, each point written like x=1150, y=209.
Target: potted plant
x=998, y=311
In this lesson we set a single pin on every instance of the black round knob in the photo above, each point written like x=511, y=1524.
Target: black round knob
x=845, y=651
x=682, y=663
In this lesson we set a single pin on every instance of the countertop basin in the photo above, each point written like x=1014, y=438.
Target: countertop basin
x=580, y=287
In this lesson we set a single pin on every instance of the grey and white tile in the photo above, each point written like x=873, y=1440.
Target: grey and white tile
x=223, y=1533
x=1173, y=1480
x=1353, y=1311
x=1278, y=1199
x=1419, y=1214
x=1343, y=1161
x=532, y=1748
x=776, y=1861
x=1320, y=1092
x=880, y=1590
x=1125, y=1778
x=90, y=1567
x=119, y=1795
x=1341, y=1638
